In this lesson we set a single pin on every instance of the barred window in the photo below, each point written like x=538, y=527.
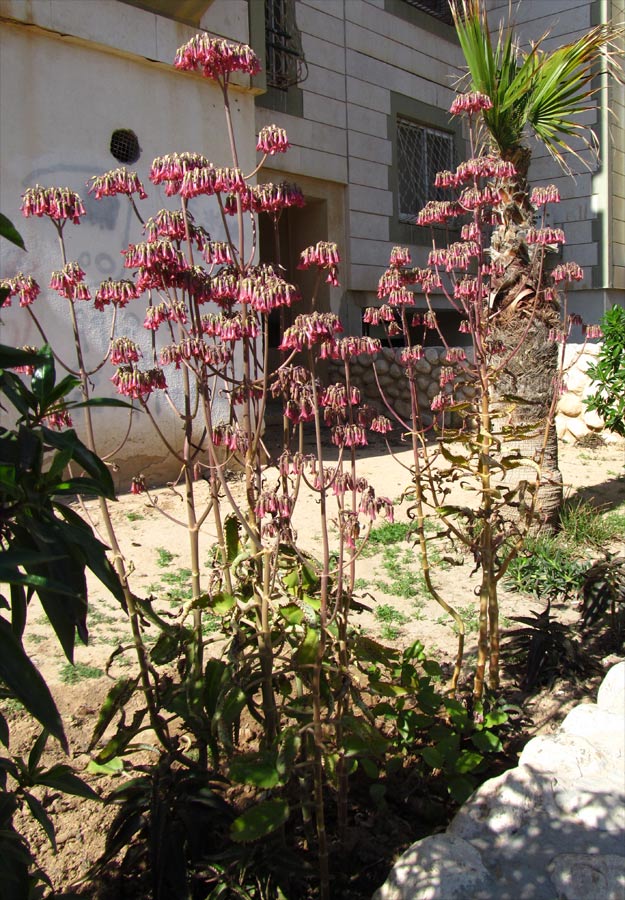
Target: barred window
x=285, y=60
x=421, y=153
x=437, y=8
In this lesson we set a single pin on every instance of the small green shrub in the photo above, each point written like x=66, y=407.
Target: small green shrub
x=582, y=524
x=547, y=568
x=608, y=372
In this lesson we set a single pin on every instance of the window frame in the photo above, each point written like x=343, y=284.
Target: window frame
x=291, y=100
x=426, y=116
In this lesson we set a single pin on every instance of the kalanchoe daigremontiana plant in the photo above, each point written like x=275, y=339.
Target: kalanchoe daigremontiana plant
x=473, y=445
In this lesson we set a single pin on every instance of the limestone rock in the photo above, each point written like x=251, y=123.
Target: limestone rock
x=526, y=835
x=577, y=876
x=611, y=694
x=570, y=405
x=603, y=728
x=566, y=755
x=440, y=866
x=594, y=420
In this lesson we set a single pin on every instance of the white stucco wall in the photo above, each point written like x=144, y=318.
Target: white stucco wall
x=70, y=74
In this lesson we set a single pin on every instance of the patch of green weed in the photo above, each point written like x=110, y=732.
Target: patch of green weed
x=164, y=557
x=72, y=674
x=388, y=534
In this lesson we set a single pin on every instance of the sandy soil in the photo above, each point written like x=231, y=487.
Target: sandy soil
x=389, y=584
x=388, y=581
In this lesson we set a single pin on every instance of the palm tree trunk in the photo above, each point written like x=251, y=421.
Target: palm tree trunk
x=523, y=401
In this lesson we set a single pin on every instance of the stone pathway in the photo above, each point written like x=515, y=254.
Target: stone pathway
x=553, y=828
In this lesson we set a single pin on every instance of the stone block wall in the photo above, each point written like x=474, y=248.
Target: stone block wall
x=367, y=372
x=573, y=420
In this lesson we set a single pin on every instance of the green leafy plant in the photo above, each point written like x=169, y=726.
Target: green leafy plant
x=18, y=777
x=547, y=568
x=603, y=591
x=45, y=548
x=582, y=524
x=542, y=649
x=608, y=372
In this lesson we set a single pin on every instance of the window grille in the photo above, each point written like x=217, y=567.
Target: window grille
x=286, y=65
x=124, y=146
x=421, y=153
x=437, y=8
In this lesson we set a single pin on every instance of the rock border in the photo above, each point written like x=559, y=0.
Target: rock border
x=553, y=828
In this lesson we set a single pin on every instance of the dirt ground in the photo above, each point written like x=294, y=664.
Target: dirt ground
x=389, y=583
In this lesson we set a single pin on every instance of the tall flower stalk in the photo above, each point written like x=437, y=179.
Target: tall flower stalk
x=473, y=440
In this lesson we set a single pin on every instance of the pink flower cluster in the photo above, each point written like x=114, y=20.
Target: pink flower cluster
x=569, y=271
x=438, y=212
x=225, y=286
x=69, y=282
x=441, y=402
x=374, y=315
x=26, y=370
x=348, y=347
x=119, y=293
x=197, y=282
x=540, y=196
x=218, y=253
x=473, y=198
x=311, y=329
x=231, y=437
x=263, y=290
x=124, y=351
x=59, y=204
x=411, y=355
x=210, y=180
x=324, y=255
x=335, y=396
x=23, y=286
x=470, y=103
x=471, y=169
x=349, y=436
x=59, y=418
x=456, y=256
x=216, y=57
x=138, y=485
x=545, y=236
x=400, y=256
x=272, y=139
x=134, y=383
x=381, y=425
x=171, y=169
x=150, y=253
x=229, y=328
x=195, y=349
x=117, y=181
x=171, y=225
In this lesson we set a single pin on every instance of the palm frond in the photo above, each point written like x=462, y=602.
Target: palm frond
x=545, y=92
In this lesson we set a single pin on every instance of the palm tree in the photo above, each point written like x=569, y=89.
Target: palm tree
x=540, y=93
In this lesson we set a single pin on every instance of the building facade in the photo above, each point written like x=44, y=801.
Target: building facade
x=363, y=89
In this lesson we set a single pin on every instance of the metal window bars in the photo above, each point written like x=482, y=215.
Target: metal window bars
x=437, y=8
x=421, y=153
x=286, y=65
